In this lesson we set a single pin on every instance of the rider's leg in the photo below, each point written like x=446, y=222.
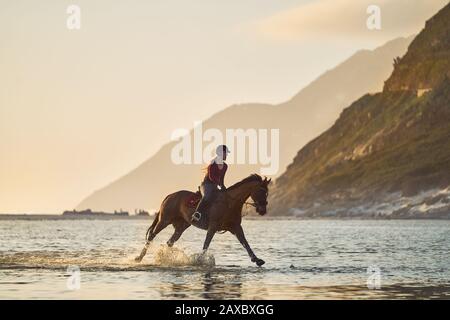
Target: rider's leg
x=208, y=193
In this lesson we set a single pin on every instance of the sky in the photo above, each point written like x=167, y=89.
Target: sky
x=80, y=108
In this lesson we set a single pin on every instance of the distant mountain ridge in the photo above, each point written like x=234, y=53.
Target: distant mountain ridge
x=388, y=154
x=311, y=111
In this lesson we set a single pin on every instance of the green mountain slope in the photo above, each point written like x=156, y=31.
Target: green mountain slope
x=391, y=145
x=427, y=62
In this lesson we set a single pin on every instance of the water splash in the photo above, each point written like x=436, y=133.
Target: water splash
x=203, y=259
x=114, y=260
x=172, y=256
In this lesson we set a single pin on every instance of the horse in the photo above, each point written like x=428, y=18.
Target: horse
x=224, y=214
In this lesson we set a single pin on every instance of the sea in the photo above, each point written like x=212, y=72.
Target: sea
x=305, y=259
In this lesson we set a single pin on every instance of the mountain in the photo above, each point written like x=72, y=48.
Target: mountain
x=311, y=111
x=388, y=154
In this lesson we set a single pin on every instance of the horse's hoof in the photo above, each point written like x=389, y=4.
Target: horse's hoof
x=142, y=255
x=259, y=262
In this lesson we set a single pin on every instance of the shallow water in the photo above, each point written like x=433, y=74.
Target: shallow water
x=304, y=260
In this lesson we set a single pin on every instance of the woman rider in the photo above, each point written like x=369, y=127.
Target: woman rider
x=213, y=181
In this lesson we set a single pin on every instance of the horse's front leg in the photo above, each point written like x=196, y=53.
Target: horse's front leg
x=239, y=232
x=209, y=236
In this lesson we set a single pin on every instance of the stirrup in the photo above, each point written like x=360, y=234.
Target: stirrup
x=196, y=216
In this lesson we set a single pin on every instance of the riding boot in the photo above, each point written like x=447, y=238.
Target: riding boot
x=202, y=207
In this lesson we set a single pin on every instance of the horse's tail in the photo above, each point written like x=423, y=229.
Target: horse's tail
x=152, y=227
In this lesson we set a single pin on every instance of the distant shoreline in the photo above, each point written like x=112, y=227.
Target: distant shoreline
x=54, y=217
x=70, y=217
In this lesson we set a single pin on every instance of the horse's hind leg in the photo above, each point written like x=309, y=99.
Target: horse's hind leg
x=160, y=225
x=180, y=227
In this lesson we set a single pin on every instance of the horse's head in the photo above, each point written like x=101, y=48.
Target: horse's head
x=259, y=196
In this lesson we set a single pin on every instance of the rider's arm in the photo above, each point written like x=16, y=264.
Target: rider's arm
x=222, y=177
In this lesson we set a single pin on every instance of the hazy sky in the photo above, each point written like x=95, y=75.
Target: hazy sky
x=79, y=108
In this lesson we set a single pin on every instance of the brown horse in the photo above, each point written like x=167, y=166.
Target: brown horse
x=223, y=215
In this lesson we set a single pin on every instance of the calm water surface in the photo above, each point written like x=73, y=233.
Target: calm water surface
x=304, y=260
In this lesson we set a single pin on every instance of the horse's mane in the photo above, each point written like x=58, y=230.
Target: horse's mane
x=250, y=178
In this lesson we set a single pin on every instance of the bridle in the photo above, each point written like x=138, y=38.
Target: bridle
x=254, y=204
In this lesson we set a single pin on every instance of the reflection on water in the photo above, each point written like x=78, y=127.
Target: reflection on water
x=207, y=285
x=304, y=260
x=216, y=288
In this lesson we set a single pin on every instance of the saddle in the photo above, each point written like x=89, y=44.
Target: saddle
x=193, y=200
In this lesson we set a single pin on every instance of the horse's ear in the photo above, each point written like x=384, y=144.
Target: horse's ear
x=269, y=180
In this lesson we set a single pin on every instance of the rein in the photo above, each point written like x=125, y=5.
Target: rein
x=246, y=203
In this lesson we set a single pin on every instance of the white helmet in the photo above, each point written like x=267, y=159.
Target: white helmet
x=220, y=150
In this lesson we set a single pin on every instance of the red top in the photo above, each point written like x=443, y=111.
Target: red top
x=215, y=174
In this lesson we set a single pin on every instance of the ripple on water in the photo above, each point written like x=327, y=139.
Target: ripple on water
x=304, y=259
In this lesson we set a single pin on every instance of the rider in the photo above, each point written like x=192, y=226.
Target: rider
x=213, y=181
